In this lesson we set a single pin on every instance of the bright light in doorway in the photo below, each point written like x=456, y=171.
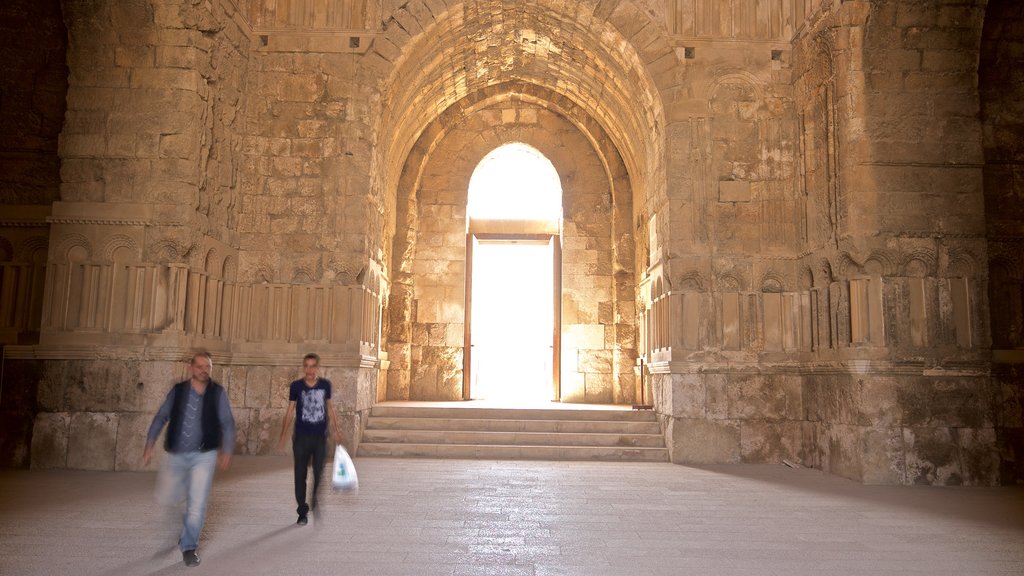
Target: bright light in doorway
x=512, y=322
x=515, y=182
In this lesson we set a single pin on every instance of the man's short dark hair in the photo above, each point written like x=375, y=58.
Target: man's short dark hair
x=203, y=354
x=311, y=356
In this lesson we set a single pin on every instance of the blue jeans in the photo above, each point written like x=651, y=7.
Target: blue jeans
x=186, y=479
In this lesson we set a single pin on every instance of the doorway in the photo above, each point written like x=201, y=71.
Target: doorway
x=513, y=278
x=512, y=338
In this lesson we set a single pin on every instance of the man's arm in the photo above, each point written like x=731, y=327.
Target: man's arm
x=287, y=423
x=159, y=420
x=227, y=430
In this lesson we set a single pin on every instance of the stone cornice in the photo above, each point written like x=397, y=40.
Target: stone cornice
x=138, y=353
x=849, y=367
x=25, y=216
x=118, y=214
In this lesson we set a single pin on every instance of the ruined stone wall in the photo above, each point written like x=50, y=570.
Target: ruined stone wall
x=1001, y=87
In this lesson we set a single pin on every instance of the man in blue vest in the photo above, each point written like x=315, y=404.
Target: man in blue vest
x=309, y=401
x=200, y=435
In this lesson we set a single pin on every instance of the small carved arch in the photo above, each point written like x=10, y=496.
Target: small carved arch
x=303, y=275
x=825, y=275
x=211, y=263
x=806, y=279
x=771, y=281
x=880, y=262
x=962, y=264
x=847, y=265
x=918, y=264
x=33, y=249
x=659, y=288
x=120, y=247
x=74, y=248
x=730, y=282
x=824, y=51
x=229, y=270
x=166, y=251
x=264, y=273
x=741, y=77
x=692, y=282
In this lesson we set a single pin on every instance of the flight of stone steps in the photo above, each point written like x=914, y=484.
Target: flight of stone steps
x=513, y=434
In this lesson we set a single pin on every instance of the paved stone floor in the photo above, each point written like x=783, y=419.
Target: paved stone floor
x=459, y=517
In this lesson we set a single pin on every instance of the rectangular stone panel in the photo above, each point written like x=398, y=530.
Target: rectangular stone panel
x=92, y=440
x=733, y=191
x=50, y=440
x=698, y=441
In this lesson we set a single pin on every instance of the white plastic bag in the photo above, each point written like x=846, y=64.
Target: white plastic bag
x=343, y=476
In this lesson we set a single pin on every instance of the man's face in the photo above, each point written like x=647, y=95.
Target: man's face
x=201, y=367
x=310, y=367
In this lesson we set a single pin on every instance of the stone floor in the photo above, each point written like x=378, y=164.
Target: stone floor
x=462, y=517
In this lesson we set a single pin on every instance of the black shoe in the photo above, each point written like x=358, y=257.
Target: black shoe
x=190, y=557
x=302, y=521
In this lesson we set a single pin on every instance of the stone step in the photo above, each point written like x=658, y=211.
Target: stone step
x=505, y=452
x=400, y=430
x=483, y=437
x=517, y=425
x=401, y=411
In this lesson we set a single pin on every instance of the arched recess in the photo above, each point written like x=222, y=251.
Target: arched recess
x=594, y=55
x=426, y=356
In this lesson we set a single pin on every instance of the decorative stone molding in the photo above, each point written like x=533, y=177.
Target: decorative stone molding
x=118, y=214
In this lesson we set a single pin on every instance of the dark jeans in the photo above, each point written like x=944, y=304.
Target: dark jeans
x=304, y=447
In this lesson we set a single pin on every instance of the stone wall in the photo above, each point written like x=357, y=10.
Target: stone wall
x=33, y=85
x=791, y=213
x=1001, y=87
x=905, y=175
x=147, y=241
x=94, y=414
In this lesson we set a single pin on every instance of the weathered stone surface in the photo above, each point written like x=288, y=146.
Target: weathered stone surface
x=841, y=444
x=50, y=440
x=883, y=456
x=281, y=379
x=257, y=387
x=235, y=380
x=688, y=395
x=932, y=456
x=131, y=440
x=157, y=378
x=264, y=430
x=941, y=402
x=979, y=463
x=703, y=442
x=771, y=442
x=92, y=441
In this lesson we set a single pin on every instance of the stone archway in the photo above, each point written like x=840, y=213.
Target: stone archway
x=425, y=330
